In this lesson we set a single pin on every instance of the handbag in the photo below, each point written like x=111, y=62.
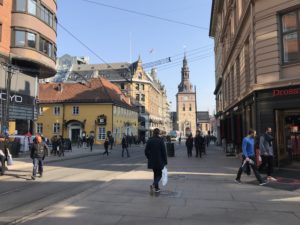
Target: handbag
x=164, y=179
x=9, y=159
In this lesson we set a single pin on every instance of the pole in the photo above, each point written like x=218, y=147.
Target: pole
x=5, y=110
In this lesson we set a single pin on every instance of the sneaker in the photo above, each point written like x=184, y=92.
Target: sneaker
x=33, y=177
x=263, y=183
x=156, y=190
x=238, y=181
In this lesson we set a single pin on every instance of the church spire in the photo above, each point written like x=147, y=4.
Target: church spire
x=185, y=85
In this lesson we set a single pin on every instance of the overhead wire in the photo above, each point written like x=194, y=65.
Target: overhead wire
x=145, y=14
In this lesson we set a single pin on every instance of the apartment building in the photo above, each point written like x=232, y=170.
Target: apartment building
x=257, y=64
x=27, y=53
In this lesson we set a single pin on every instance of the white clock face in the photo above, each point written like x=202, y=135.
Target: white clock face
x=185, y=98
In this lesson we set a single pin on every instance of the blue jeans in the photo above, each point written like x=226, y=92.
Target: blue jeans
x=157, y=174
x=37, y=164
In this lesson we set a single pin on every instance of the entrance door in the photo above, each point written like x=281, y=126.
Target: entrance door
x=74, y=134
x=288, y=135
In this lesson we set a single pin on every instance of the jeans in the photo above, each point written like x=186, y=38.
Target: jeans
x=198, y=151
x=253, y=167
x=189, y=152
x=267, y=159
x=126, y=151
x=157, y=176
x=2, y=168
x=38, y=163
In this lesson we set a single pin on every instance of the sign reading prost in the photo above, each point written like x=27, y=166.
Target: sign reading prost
x=286, y=92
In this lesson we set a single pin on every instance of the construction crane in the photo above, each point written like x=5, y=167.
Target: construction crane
x=156, y=63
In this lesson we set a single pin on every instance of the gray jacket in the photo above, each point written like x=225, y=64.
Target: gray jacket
x=266, y=145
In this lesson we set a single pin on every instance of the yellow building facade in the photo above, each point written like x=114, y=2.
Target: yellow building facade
x=85, y=112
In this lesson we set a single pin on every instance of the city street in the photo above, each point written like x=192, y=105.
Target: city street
x=96, y=189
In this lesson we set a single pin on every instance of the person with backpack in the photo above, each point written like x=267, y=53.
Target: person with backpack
x=106, y=144
x=189, y=145
x=199, y=142
x=38, y=153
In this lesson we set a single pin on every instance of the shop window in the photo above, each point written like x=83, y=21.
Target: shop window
x=101, y=133
x=39, y=128
x=56, y=128
x=56, y=110
x=290, y=29
x=75, y=110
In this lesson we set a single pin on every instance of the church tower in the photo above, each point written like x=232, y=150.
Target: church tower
x=186, y=103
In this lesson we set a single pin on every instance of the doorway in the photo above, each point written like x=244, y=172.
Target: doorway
x=288, y=135
x=75, y=132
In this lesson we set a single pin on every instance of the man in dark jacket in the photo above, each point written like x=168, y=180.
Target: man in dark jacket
x=125, y=145
x=3, y=153
x=199, y=141
x=37, y=153
x=189, y=145
x=155, y=152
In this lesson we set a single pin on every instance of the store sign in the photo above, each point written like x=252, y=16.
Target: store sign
x=13, y=98
x=286, y=92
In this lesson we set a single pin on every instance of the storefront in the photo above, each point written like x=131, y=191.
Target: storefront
x=280, y=109
x=21, y=112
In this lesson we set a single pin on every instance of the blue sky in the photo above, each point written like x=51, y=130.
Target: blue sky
x=109, y=32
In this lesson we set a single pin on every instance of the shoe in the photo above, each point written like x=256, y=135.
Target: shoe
x=263, y=183
x=271, y=178
x=33, y=177
x=156, y=190
x=237, y=181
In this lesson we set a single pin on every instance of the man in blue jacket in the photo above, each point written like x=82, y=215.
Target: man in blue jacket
x=249, y=157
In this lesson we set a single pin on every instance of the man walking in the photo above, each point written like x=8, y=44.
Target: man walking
x=125, y=146
x=266, y=152
x=37, y=154
x=249, y=157
x=189, y=145
x=155, y=152
x=199, y=141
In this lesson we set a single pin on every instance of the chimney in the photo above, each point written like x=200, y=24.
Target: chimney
x=59, y=87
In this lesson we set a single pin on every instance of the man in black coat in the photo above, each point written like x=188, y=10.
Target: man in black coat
x=37, y=154
x=199, y=141
x=155, y=152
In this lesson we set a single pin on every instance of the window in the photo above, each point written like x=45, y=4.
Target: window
x=183, y=109
x=101, y=133
x=19, y=38
x=56, y=110
x=137, y=97
x=140, y=76
x=21, y=5
x=32, y=7
x=190, y=107
x=290, y=26
x=39, y=128
x=75, y=110
x=0, y=32
x=142, y=97
x=122, y=86
x=41, y=110
x=46, y=47
x=142, y=87
x=137, y=87
x=56, y=128
x=1, y=2
x=31, y=40
x=142, y=109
